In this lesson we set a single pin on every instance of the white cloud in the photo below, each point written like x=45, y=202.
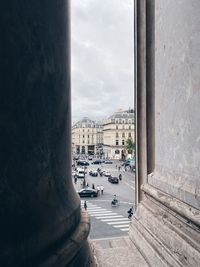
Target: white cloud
x=102, y=57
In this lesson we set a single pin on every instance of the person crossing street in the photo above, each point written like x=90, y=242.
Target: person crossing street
x=102, y=188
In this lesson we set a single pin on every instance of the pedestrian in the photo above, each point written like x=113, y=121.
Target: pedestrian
x=93, y=187
x=102, y=188
x=98, y=189
x=120, y=177
x=119, y=168
x=85, y=205
x=116, y=166
x=75, y=179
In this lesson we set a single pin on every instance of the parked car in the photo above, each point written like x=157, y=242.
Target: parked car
x=97, y=161
x=93, y=173
x=80, y=173
x=82, y=163
x=90, y=157
x=108, y=162
x=107, y=174
x=87, y=192
x=113, y=179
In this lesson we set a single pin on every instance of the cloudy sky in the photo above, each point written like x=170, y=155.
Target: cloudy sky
x=102, y=57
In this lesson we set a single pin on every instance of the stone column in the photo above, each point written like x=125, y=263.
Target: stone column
x=165, y=227
x=40, y=219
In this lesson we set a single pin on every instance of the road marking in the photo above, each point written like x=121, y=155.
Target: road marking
x=129, y=185
x=118, y=226
x=93, y=210
x=109, y=217
x=114, y=216
x=113, y=219
x=118, y=222
x=100, y=214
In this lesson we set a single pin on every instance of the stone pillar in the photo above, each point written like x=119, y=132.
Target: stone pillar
x=165, y=227
x=40, y=219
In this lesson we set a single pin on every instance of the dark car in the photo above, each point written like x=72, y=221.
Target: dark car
x=98, y=161
x=113, y=180
x=108, y=162
x=93, y=173
x=87, y=192
x=82, y=163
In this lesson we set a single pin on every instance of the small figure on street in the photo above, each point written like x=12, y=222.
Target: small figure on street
x=85, y=205
x=102, y=188
x=116, y=166
x=93, y=187
x=87, y=184
x=84, y=183
x=75, y=179
x=130, y=212
x=120, y=177
x=115, y=201
x=98, y=190
x=119, y=168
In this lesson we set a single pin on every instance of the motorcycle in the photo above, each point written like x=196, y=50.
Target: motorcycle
x=115, y=203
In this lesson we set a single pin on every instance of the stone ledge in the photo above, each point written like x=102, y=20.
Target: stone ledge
x=123, y=254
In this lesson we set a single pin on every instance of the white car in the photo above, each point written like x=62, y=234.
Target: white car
x=80, y=173
x=107, y=174
x=73, y=173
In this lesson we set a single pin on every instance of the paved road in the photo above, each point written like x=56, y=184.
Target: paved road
x=107, y=221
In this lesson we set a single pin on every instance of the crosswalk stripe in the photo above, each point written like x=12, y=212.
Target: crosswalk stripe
x=109, y=217
x=118, y=223
x=118, y=226
x=97, y=212
x=104, y=217
x=93, y=210
x=113, y=219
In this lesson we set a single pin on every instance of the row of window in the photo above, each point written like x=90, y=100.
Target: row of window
x=123, y=134
x=123, y=127
x=123, y=121
x=117, y=143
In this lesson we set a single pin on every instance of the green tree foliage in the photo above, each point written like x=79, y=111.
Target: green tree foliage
x=130, y=145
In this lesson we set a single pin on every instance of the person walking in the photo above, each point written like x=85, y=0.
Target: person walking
x=120, y=177
x=93, y=187
x=85, y=205
x=98, y=190
x=102, y=188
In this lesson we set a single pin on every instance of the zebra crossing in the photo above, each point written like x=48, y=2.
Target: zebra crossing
x=109, y=217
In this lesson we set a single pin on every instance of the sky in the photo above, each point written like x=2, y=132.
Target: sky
x=101, y=57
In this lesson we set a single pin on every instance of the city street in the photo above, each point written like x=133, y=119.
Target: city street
x=108, y=221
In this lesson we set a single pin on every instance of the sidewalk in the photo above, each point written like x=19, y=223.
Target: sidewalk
x=118, y=252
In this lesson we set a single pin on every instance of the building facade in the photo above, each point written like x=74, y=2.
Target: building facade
x=117, y=129
x=87, y=137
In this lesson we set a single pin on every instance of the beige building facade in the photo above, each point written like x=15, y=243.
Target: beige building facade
x=87, y=137
x=117, y=129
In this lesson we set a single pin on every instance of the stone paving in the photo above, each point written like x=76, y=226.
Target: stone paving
x=119, y=252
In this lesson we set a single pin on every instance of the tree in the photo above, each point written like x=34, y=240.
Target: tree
x=130, y=145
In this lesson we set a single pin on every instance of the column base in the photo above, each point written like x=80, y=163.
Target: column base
x=75, y=252
x=163, y=237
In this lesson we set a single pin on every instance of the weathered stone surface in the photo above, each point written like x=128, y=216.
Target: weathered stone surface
x=122, y=253
x=177, y=91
